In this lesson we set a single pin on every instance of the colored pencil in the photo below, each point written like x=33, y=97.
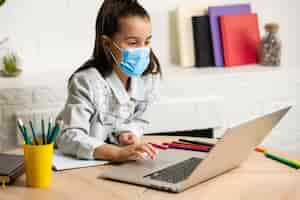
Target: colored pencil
x=188, y=147
x=43, y=131
x=296, y=161
x=197, y=142
x=193, y=145
x=33, y=133
x=27, y=136
x=49, y=130
x=55, y=132
x=158, y=146
x=260, y=149
x=21, y=128
x=282, y=160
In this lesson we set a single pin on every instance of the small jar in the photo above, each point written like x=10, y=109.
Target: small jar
x=271, y=46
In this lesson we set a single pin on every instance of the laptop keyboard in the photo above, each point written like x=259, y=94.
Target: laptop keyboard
x=177, y=172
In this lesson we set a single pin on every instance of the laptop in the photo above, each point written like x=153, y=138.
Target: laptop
x=176, y=170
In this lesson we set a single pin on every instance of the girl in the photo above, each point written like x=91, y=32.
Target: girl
x=110, y=92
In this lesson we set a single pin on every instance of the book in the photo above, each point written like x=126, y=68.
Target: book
x=202, y=41
x=184, y=34
x=240, y=36
x=11, y=167
x=64, y=162
x=214, y=13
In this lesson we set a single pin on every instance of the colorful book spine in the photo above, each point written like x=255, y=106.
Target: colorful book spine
x=202, y=41
x=241, y=40
x=214, y=13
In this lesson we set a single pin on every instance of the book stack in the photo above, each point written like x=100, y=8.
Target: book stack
x=11, y=167
x=224, y=36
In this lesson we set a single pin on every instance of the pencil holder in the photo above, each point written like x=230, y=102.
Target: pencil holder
x=38, y=165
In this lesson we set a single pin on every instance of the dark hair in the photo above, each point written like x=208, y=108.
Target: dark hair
x=107, y=24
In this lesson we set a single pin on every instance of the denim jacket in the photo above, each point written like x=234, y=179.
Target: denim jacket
x=99, y=109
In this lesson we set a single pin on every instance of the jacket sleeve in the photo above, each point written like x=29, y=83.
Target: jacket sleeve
x=138, y=124
x=77, y=114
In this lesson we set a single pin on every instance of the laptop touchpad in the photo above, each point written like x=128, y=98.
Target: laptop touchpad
x=166, y=158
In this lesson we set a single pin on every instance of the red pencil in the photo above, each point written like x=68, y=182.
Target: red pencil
x=186, y=147
x=163, y=147
x=193, y=145
x=189, y=147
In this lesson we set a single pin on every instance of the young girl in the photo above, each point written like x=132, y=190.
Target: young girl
x=110, y=92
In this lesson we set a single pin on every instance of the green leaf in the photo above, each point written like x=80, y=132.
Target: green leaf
x=10, y=63
x=2, y=2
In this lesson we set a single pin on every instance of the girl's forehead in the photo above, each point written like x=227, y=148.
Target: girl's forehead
x=135, y=26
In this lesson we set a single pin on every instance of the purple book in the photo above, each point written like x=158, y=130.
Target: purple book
x=214, y=13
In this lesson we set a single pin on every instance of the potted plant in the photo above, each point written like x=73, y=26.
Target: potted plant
x=10, y=65
x=10, y=61
x=2, y=2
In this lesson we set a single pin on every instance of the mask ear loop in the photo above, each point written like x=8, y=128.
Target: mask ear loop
x=104, y=37
x=114, y=58
x=117, y=46
x=112, y=55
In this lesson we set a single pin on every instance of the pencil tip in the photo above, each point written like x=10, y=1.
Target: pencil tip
x=20, y=121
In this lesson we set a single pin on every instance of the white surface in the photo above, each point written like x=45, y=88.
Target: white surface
x=62, y=162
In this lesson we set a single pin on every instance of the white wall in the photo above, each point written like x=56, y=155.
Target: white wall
x=59, y=34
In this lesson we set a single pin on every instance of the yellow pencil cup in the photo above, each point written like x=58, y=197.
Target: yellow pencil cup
x=38, y=165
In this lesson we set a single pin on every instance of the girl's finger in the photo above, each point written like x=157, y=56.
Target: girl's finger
x=154, y=150
x=146, y=149
x=139, y=155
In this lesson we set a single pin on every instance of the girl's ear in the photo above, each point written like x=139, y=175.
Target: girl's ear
x=106, y=42
x=111, y=49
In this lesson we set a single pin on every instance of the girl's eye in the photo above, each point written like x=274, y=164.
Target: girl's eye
x=132, y=43
x=147, y=42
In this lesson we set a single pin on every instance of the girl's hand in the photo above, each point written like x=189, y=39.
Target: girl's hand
x=136, y=151
x=128, y=138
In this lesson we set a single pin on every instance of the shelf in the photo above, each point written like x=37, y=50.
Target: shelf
x=54, y=78
x=174, y=72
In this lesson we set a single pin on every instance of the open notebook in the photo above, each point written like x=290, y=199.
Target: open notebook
x=62, y=162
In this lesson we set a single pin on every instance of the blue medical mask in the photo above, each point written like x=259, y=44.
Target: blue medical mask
x=134, y=61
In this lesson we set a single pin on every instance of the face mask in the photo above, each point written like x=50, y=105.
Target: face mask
x=134, y=61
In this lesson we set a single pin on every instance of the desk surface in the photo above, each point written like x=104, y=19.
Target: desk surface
x=257, y=178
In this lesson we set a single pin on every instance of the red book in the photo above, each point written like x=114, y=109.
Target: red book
x=240, y=38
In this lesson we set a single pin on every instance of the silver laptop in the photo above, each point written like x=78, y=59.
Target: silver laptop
x=177, y=170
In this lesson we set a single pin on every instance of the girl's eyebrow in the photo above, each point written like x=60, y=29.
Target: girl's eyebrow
x=136, y=38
